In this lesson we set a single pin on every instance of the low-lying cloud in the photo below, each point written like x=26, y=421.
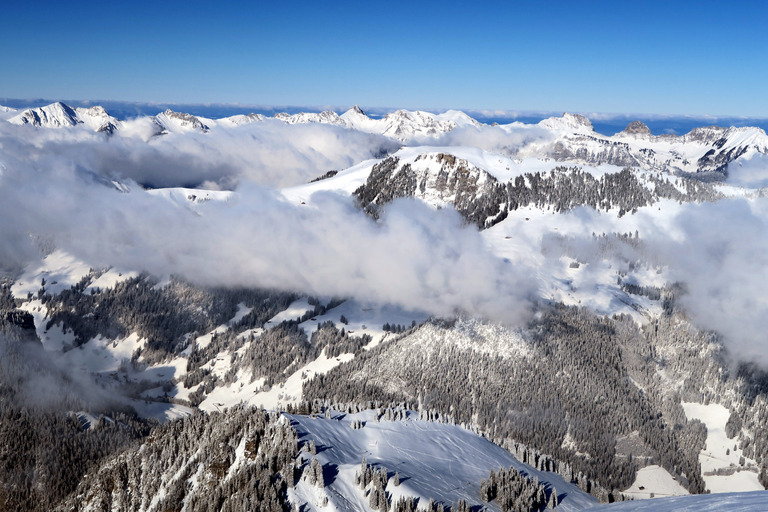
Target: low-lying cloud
x=53, y=185
x=269, y=153
x=718, y=250
x=414, y=257
x=722, y=258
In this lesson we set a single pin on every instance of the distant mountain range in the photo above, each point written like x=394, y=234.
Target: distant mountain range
x=357, y=341
x=605, y=124
x=705, y=151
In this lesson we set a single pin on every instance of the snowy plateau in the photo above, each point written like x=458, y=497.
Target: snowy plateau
x=417, y=311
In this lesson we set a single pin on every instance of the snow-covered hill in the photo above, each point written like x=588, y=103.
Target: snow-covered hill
x=433, y=460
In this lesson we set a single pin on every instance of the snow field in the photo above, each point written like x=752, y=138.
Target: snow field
x=730, y=502
x=721, y=453
x=433, y=460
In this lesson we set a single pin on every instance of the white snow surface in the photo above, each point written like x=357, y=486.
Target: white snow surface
x=404, y=125
x=293, y=312
x=180, y=123
x=721, y=453
x=186, y=197
x=60, y=271
x=60, y=115
x=730, y=502
x=7, y=112
x=364, y=318
x=434, y=460
x=243, y=390
x=654, y=480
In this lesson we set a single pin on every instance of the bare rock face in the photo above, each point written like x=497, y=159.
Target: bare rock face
x=637, y=128
x=180, y=121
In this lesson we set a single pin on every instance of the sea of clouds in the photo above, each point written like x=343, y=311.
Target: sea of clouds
x=58, y=185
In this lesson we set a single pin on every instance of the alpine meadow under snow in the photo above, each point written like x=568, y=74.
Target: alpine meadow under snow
x=324, y=311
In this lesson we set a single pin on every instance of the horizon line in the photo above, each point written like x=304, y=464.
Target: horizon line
x=23, y=103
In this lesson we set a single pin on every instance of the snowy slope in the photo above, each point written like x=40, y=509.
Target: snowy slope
x=568, y=123
x=654, y=481
x=326, y=117
x=108, y=358
x=97, y=119
x=732, y=502
x=188, y=197
x=232, y=121
x=179, y=122
x=55, y=115
x=703, y=150
x=434, y=460
x=7, y=112
x=402, y=125
x=361, y=319
x=60, y=115
x=721, y=458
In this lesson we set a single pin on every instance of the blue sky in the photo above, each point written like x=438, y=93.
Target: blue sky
x=662, y=57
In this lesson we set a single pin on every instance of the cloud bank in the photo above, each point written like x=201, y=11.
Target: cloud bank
x=723, y=260
x=414, y=257
x=269, y=153
x=55, y=185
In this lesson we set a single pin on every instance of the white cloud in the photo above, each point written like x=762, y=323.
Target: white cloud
x=52, y=184
x=723, y=260
x=269, y=153
x=414, y=256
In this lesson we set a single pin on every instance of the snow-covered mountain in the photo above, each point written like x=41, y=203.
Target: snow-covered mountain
x=416, y=451
x=236, y=120
x=179, y=122
x=60, y=115
x=547, y=321
x=326, y=117
x=6, y=112
x=402, y=125
x=55, y=115
x=706, y=151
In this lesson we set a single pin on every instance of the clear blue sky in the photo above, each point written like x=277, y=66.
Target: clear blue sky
x=664, y=57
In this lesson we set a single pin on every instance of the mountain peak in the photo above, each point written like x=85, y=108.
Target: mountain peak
x=568, y=121
x=98, y=119
x=55, y=115
x=180, y=121
x=577, y=120
x=637, y=128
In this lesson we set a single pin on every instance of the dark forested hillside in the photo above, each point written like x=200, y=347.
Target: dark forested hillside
x=239, y=461
x=570, y=385
x=45, y=447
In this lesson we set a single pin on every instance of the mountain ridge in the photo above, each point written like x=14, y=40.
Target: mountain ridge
x=704, y=151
